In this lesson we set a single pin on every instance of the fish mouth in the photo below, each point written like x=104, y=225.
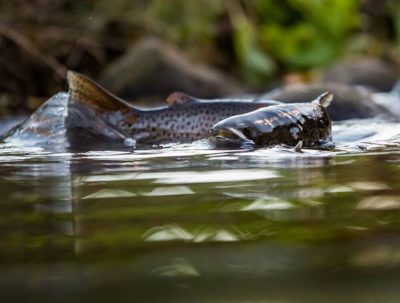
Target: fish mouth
x=231, y=135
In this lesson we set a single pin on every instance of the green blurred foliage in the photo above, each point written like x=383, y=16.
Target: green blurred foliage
x=257, y=40
x=189, y=25
x=294, y=34
x=254, y=62
x=394, y=12
x=317, y=38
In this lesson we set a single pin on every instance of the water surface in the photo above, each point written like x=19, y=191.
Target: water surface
x=187, y=223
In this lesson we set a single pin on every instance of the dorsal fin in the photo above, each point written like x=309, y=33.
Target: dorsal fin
x=324, y=99
x=179, y=98
x=85, y=90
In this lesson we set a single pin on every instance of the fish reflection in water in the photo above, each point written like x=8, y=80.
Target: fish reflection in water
x=254, y=226
x=177, y=233
x=179, y=267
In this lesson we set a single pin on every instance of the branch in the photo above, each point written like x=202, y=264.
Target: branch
x=28, y=46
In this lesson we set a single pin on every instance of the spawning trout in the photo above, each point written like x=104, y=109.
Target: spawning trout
x=296, y=124
x=89, y=111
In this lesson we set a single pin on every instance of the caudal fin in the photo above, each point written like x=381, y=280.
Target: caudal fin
x=85, y=90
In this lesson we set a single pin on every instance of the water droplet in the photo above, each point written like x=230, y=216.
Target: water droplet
x=129, y=142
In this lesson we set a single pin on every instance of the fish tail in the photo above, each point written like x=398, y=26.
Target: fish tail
x=86, y=91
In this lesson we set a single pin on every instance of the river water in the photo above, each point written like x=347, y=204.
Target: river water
x=189, y=223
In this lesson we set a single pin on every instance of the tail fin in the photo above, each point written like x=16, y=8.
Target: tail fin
x=85, y=90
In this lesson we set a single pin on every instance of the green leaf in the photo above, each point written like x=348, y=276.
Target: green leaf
x=254, y=61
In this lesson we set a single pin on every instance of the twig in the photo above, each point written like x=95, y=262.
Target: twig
x=28, y=46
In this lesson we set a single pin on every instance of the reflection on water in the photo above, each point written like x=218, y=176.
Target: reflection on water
x=186, y=223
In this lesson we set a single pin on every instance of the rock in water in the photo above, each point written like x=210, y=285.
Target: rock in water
x=153, y=67
x=369, y=72
x=351, y=102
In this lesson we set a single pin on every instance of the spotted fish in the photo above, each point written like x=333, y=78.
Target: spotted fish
x=296, y=124
x=88, y=113
x=184, y=119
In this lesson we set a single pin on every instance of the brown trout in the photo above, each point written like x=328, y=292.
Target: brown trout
x=89, y=115
x=184, y=119
x=296, y=124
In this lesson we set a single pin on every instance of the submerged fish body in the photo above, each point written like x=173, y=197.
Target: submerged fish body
x=290, y=124
x=88, y=113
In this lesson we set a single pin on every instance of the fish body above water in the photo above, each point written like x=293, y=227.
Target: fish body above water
x=176, y=123
x=290, y=124
x=89, y=114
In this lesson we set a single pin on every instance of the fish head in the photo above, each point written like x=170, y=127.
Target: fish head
x=274, y=124
x=240, y=129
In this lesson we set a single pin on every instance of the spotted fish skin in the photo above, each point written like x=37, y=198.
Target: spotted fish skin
x=287, y=124
x=185, y=119
x=183, y=123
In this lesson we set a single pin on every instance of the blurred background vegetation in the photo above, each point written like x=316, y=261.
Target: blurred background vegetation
x=257, y=42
